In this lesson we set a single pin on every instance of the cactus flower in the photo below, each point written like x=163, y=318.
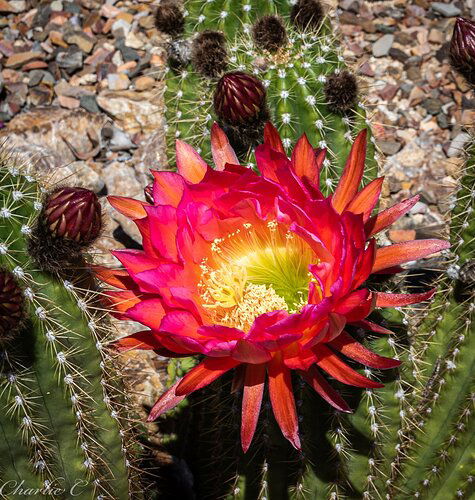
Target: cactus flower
x=239, y=98
x=260, y=274
x=11, y=305
x=74, y=214
x=462, y=49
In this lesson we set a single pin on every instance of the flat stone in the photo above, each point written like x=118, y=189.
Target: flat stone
x=118, y=81
x=6, y=6
x=35, y=77
x=432, y=106
x=144, y=83
x=83, y=41
x=389, y=148
x=382, y=47
x=21, y=58
x=40, y=96
x=445, y=9
x=458, y=144
x=57, y=6
x=68, y=102
x=18, y=6
x=70, y=60
x=402, y=235
x=89, y=103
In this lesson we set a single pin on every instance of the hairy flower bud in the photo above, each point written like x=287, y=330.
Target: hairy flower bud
x=269, y=33
x=462, y=49
x=307, y=14
x=11, y=306
x=239, y=98
x=73, y=214
x=169, y=19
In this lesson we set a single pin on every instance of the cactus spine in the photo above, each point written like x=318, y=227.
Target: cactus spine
x=64, y=431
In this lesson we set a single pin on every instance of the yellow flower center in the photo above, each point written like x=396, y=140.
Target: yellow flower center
x=253, y=271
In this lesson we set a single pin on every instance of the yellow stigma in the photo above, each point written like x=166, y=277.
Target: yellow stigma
x=254, y=271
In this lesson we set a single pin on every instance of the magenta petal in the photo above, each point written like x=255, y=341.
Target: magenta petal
x=248, y=352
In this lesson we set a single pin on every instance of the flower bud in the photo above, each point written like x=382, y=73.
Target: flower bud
x=239, y=98
x=307, y=14
x=11, y=306
x=462, y=49
x=73, y=214
x=169, y=19
x=269, y=33
x=148, y=191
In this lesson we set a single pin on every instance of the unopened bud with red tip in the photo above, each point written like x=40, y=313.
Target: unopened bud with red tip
x=11, y=306
x=462, y=49
x=148, y=191
x=73, y=214
x=239, y=98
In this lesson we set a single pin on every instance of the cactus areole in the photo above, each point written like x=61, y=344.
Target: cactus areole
x=260, y=273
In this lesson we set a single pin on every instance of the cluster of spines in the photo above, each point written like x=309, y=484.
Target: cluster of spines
x=59, y=418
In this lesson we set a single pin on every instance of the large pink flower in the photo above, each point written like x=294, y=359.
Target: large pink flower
x=260, y=273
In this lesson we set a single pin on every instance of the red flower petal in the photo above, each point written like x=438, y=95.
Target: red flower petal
x=189, y=163
x=168, y=188
x=114, y=277
x=316, y=380
x=385, y=218
x=203, y=374
x=248, y=352
x=352, y=174
x=145, y=340
x=148, y=312
x=372, y=327
x=348, y=346
x=366, y=199
x=334, y=366
x=304, y=161
x=282, y=399
x=251, y=402
x=165, y=402
x=133, y=209
x=366, y=265
x=272, y=138
x=400, y=253
x=402, y=299
x=221, y=149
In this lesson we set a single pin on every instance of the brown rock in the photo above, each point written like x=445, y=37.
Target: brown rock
x=40, y=95
x=83, y=41
x=21, y=58
x=56, y=38
x=34, y=65
x=144, y=83
x=68, y=102
x=5, y=6
x=401, y=235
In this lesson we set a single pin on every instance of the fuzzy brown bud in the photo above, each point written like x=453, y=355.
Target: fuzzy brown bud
x=11, y=306
x=269, y=33
x=239, y=98
x=73, y=214
x=341, y=91
x=462, y=49
x=169, y=19
x=307, y=14
x=209, y=54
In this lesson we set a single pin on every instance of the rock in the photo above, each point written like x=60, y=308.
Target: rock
x=418, y=208
x=118, y=139
x=89, y=103
x=432, y=106
x=401, y=235
x=57, y=6
x=383, y=45
x=458, y=144
x=398, y=54
x=18, y=59
x=445, y=9
x=6, y=7
x=40, y=96
x=118, y=81
x=443, y=121
x=68, y=102
x=144, y=83
x=83, y=41
x=43, y=130
x=70, y=60
x=18, y=6
x=436, y=36
x=389, y=148
x=133, y=112
x=35, y=77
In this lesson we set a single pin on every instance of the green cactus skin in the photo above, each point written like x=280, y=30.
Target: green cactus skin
x=62, y=425
x=295, y=78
